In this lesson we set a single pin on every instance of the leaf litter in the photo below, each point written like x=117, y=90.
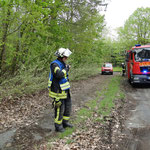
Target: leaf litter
x=95, y=135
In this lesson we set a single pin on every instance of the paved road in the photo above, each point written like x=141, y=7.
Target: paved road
x=138, y=123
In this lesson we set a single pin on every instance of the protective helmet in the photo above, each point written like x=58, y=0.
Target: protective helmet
x=61, y=52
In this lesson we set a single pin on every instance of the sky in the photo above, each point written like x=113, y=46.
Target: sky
x=118, y=11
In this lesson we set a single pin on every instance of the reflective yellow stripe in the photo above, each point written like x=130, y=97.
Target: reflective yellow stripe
x=65, y=86
x=49, y=80
x=57, y=117
x=56, y=68
x=66, y=118
x=58, y=122
x=49, y=83
x=62, y=95
x=57, y=99
x=65, y=73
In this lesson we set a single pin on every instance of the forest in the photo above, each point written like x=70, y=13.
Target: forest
x=32, y=30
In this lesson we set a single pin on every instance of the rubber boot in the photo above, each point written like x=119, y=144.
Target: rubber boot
x=67, y=124
x=59, y=128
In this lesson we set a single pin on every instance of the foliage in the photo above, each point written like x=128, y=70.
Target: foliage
x=117, y=69
x=31, y=31
x=31, y=81
x=136, y=29
x=112, y=52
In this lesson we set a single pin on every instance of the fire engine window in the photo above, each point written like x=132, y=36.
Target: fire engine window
x=142, y=54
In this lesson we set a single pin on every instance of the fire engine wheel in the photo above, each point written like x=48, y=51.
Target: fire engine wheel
x=131, y=82
x=134, y=85
x=130, y=79
x=102, y=73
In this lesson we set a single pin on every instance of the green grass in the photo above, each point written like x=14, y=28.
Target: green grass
x=69, y=141
x=102, y=105
x=108, y=102
x=84, y=72
x=117, y=69
x=27, y=83
x=22, y=84
x=66, y=133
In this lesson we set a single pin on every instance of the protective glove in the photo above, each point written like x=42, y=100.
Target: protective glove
x=67, y=67
x=57, y=103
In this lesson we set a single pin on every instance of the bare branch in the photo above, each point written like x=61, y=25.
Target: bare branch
x=16, y=29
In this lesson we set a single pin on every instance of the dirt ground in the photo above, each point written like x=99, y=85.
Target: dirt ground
x=27, y=121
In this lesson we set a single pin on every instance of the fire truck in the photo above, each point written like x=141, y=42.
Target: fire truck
x=138, y=64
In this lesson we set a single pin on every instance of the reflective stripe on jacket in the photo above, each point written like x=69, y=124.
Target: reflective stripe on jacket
x=63, y=82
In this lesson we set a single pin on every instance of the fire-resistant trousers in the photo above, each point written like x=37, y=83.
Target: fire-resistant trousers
x=62, y=113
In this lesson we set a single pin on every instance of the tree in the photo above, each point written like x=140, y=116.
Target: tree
x=136, y=28
x=31, y=30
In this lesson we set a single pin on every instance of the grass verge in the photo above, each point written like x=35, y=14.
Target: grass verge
x=117, y=69
x=104, y=102
x=28, y=82
x=101, y=106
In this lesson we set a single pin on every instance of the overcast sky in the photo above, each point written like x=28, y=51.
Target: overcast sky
x=119, y=10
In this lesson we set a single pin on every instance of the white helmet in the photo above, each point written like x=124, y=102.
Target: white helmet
x=61, y=52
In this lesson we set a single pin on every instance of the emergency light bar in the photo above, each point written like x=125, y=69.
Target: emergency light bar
x=145, y=71
x=138, y=45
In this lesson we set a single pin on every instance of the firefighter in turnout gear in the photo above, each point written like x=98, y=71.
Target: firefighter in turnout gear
x=123, y=69
x=59, y=89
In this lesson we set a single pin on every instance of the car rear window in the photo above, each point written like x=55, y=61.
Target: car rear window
x=107, y=65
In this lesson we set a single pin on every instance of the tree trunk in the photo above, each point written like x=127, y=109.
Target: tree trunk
x=4, y=39
x=14, y=62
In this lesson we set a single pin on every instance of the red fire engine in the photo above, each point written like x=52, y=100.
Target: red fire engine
x=138, y=64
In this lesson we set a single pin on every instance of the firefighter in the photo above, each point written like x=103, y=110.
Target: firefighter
x=59, y=89
x=123, y=69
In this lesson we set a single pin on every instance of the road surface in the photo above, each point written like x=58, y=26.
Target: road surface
x=137, y=125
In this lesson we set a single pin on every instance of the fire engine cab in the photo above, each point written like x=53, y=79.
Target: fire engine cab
x=138, y=64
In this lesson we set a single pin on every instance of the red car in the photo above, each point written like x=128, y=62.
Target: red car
x=107, y=68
